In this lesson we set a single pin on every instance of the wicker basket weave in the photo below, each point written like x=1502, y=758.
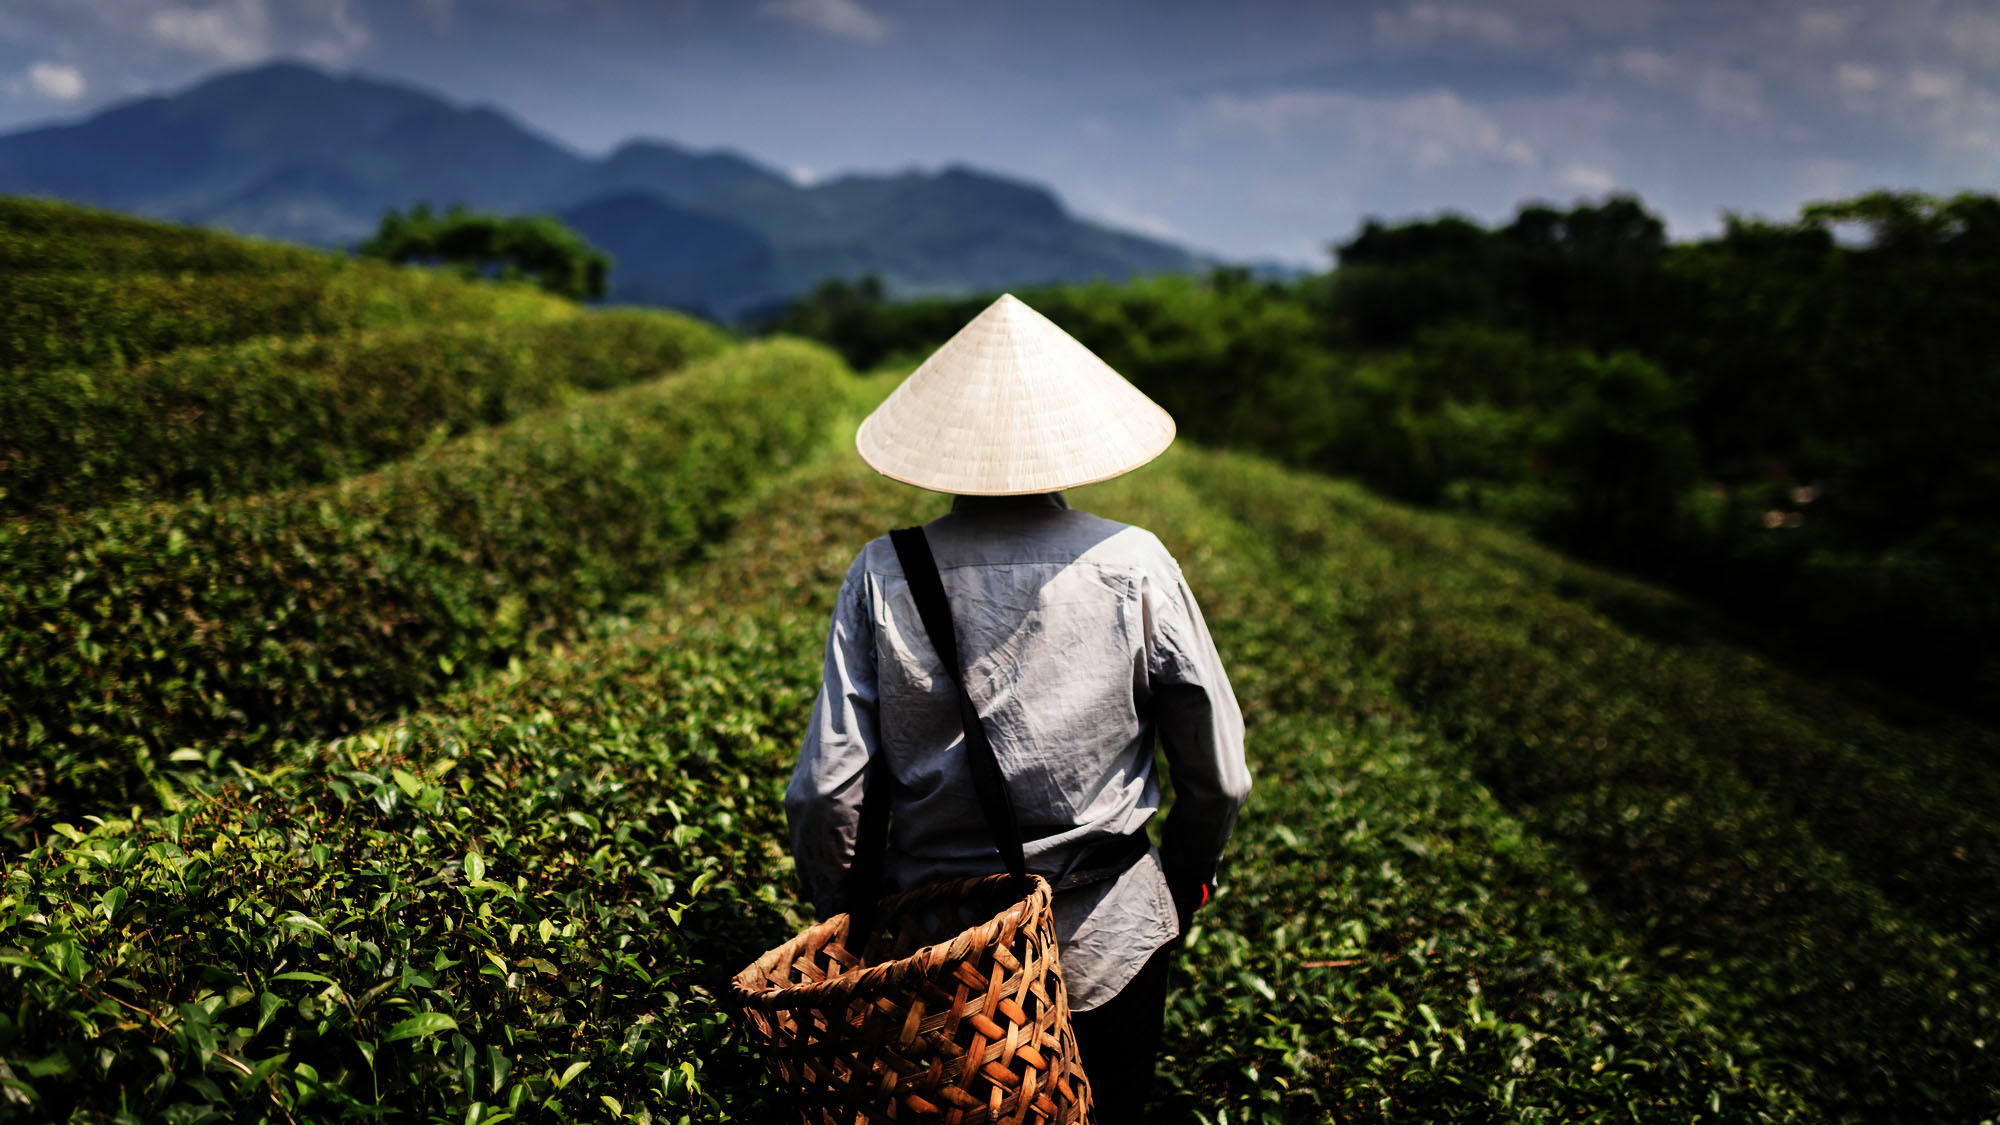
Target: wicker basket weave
x=954, y=1012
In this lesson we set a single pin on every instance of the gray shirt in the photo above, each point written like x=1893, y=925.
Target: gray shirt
x=1081, y=640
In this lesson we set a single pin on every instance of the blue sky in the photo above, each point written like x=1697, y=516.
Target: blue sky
x=1252, y=128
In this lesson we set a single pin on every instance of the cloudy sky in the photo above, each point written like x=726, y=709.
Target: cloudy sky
x=1253, y=128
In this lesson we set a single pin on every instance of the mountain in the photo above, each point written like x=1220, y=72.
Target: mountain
x=290, y=151
x=669, y=172
x=668, y=255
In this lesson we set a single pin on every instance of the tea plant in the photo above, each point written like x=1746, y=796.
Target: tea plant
x=147, y=636
x=277, y=411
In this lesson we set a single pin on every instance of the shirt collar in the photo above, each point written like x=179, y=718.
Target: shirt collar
x=1009, y=503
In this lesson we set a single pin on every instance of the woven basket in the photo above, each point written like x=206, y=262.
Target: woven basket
x=954, y=1012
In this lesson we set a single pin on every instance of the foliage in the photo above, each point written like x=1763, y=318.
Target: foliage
x=563, y=859
x=497, y=913
x=38, y=235
x=279, y=411
x=1815, y=873
x=150, y=633
x=1391, y=941
x=536, y=248
x=108, y=321
x=1588, y=276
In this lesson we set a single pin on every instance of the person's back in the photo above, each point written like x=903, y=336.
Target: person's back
x=1080, y=642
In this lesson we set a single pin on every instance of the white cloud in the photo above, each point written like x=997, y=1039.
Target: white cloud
x=1716, y=90
x=235, y=33
x=845, y=19
x=241, y=31
x=1117, y=212
x=1730, y=93
x=343, y=34
x=1643, y=64
x=1588, y=179
x=1932, y=84
x=54, y=81
x=1325, y=158
x=1829, y=178
x=1427, y=131
x=1423, y=23
x=1859, y=78
x=1516, y=24
x=1824, y=27
x=1952, y=112
x=1976, y=35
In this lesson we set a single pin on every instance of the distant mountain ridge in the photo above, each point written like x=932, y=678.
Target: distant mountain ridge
x=292, y=152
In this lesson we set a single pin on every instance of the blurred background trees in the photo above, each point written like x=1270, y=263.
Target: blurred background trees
x=532, y=248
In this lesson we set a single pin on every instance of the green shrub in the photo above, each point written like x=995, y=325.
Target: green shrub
x=278, y=411
x=536, y=248
x=1528, y=843
x=41, y=235
x=136, y=631
x=1835, y=871
x=50, y=320
x=511, y=908
x=564, y=861
x=1389, y=943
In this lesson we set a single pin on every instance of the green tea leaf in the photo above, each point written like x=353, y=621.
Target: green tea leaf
x=419, y=1025
x=571, y=1071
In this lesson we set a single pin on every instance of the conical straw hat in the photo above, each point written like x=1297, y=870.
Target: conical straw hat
x=1011, y=405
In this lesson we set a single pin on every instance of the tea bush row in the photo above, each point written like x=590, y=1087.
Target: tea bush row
x=1738, y=833
x=497, y=914
x=276, y=411
x=45, y=235
x=521, y=901
x=589, y=791
x=1900, y=791
x=1389, y=943
x=134, y=634
x=97, y=320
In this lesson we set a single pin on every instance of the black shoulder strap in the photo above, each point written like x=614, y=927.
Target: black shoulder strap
x=927, y=587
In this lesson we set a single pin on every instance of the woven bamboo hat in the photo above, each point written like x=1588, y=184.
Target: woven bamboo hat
x=1012, y=405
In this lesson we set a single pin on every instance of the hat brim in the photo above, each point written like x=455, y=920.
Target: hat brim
x=1012, y=405
x=1055, y=482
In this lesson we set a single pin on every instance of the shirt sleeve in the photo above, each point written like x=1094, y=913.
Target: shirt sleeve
x=823, y=800
x=1200, y=730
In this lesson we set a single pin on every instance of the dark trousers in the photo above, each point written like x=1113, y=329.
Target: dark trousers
x=1119, y=1042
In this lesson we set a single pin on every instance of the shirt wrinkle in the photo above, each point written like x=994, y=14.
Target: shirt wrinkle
x=1081, y=640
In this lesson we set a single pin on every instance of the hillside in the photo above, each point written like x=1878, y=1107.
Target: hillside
x=288, y=151
x=503, y=809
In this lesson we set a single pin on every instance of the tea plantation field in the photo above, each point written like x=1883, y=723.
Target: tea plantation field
x=399, y=677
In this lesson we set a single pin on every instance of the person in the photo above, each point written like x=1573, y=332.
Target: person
x=1081, y=642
